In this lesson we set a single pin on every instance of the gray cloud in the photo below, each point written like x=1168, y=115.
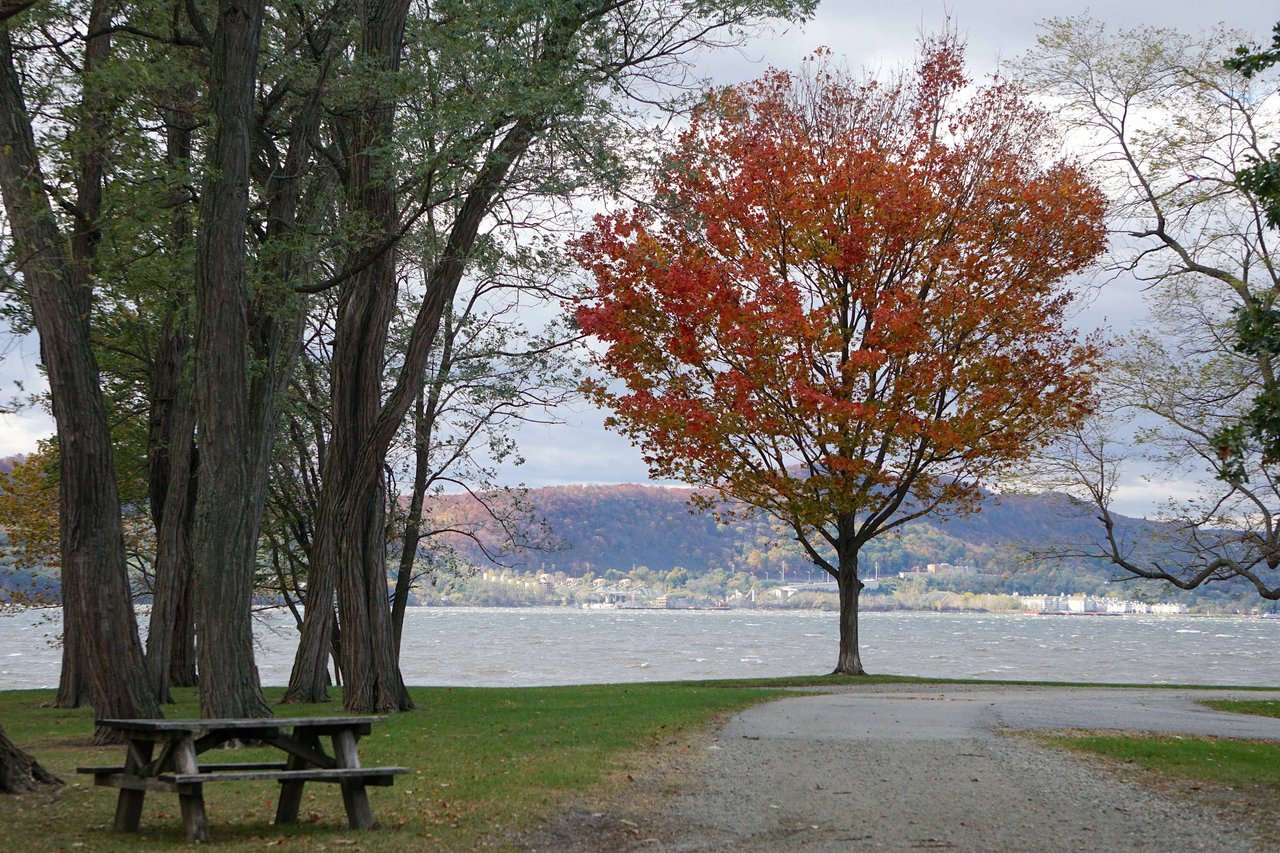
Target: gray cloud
x=869, y=34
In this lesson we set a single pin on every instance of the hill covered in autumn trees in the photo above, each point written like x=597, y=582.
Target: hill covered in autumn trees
x=595, y=528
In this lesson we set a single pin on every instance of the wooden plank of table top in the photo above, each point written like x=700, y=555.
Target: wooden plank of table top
x=160, y=725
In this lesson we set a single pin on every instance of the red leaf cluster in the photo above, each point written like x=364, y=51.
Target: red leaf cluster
x=845, y=288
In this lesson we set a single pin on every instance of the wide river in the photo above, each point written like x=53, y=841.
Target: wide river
x=521, y=646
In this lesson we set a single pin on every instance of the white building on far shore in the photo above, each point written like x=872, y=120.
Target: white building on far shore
x=1082, y=604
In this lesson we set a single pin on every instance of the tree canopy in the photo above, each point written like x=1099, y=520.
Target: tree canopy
x=1170, y=129
x=843, y=301
x=209, y=209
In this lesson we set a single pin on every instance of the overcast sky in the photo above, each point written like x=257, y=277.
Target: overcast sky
x=868, y=34
x=882, y=35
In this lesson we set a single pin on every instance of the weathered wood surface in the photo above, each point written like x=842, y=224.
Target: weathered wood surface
x=360, y=723
x=115, y=777
x=204, y=768
x=176, y=769
x=368, y=775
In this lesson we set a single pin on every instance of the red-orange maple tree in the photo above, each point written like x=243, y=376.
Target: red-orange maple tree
x=844, y=304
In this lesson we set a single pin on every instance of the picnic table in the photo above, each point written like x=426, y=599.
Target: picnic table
x=176, y=769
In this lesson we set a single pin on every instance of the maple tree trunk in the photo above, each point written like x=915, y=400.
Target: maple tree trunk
x=19, y=772
x=849, y=662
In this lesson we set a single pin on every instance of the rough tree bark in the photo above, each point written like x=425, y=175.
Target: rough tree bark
x=349, y=555
x=74, y=687
x=171, y=637
x=96, y=594
x=172, y=460
x=225, y=530
x=231, y=327
x=19, y=772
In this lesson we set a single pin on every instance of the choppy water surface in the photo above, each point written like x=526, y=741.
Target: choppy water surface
x=513, y=647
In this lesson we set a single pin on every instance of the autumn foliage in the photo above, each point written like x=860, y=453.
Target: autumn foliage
x=845, y=301
x=30, y=512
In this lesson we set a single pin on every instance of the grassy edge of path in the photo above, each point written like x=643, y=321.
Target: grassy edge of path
x=1237, y=777
x=488, y=763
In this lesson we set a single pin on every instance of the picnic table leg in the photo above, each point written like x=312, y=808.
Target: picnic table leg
x=291, y=792
x=129, y=803
x=191, y=796
x=354, y=795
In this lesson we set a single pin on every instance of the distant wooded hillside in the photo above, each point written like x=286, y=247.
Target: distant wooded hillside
x=598, y=528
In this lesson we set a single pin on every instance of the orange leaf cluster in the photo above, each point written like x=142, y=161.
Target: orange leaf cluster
x=847, y=288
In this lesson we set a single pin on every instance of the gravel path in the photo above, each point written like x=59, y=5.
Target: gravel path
x=919, y=768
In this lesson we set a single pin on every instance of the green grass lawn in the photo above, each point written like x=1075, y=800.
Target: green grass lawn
x=1223, y=761
x=1260, y=707
x=484, y=762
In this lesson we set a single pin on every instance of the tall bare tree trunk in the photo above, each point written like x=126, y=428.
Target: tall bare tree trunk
x=349, y=558
x=96, y=594
x=172, y=458
x=171, y=639
x=346, y=558
x=226, y=529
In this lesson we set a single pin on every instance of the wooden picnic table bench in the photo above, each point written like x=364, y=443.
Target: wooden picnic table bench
x=177, y=770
